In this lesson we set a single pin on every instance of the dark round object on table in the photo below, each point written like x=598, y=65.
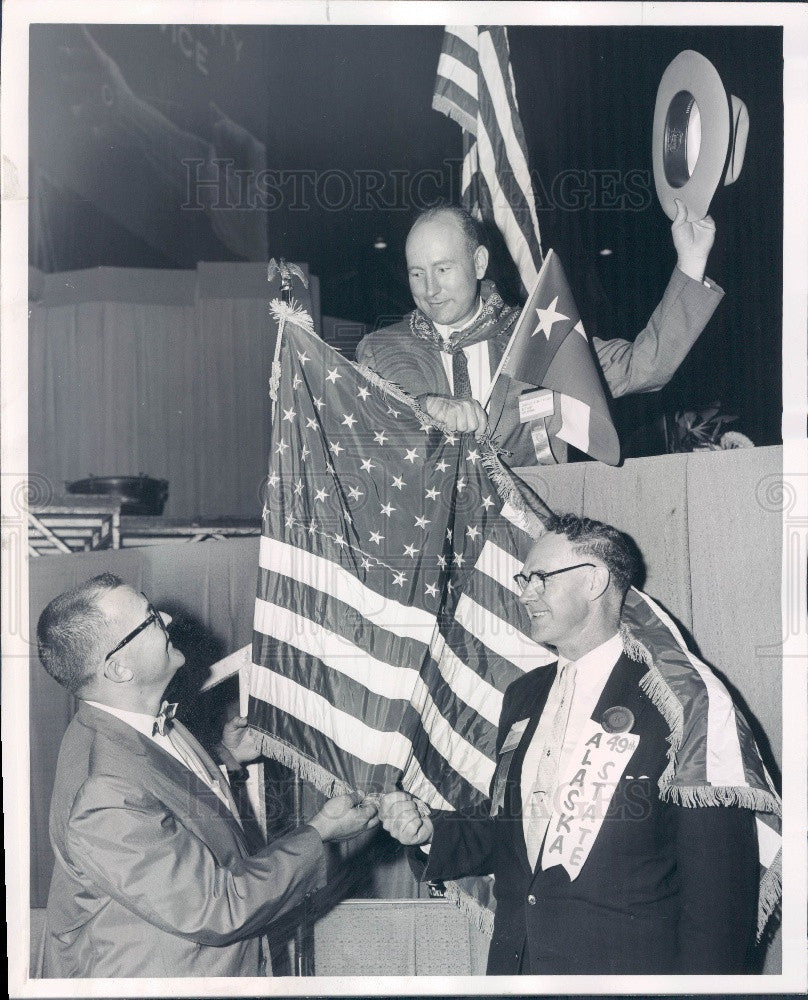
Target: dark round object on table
x=138, y=494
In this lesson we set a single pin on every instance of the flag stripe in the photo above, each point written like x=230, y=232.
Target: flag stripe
x=330, y=578
x=499, y=635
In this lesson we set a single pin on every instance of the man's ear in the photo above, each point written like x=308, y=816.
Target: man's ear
x=480, y=262
x=600, y=581
x=116, y=670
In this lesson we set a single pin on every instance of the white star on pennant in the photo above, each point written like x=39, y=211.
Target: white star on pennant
x=302, y=357
x=547, y=317
x=321, y=495
x=354, y=493
x=432, y=590
x=336, y=447
x=461, y=484
x=349, y=420
x=366, y=563
x=273, y=480
x=364, y=392
x=312, y=528
x=379, y=437
x=282, y=446
x=449, y=586
x=297, y=381
x=367, y=465
x=426, y=428
x=450, y=438
x=290, y=520
x=421, y=522
x=311, y=424
x=442, y=562
x=411, y=455
x=409, y=550
x=448, y=534
x=340, y=540
x=459, y=558
x=472, y=456
x=304, y=454
x=393, y=413
x=375, y=537
x=299, y=488
x=318, y=402
x=472, y=531
x=387, y=509
x=398, y=482
x=432, y=494
x=289, y=414
x=399, y=579
x=487, y=502
x=442, y=466
x=332, y=376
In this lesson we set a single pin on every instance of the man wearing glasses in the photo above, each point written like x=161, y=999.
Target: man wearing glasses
x=153, y=876
x=594, y=873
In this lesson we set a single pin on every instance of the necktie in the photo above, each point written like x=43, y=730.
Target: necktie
x=460, y=375
x=544, y=787
x=193, y=755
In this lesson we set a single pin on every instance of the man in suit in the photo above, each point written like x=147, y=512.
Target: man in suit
x=153, y=876
x=446, y=352
x=594, y=872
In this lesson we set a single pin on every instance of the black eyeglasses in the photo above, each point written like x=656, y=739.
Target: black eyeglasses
x=539, y=579
x=153, y=615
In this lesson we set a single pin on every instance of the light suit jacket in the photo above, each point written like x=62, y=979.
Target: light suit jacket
x=645, y=365
x=153, y=875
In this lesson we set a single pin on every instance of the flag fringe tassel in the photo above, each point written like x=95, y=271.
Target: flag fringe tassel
x=304, y=767
x=771, y=888
x=480, y=916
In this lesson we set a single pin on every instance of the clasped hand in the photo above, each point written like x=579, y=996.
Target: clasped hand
x=406, y=818
x=344, y=816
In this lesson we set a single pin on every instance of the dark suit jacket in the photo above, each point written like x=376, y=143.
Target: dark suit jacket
x=644, y=365
x=153, y=876
x=665, y=889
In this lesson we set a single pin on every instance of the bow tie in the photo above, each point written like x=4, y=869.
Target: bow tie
x=167, y=712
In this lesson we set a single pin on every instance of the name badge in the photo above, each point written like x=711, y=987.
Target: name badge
x=597, y=766
x=535, y=404
x=500, y=779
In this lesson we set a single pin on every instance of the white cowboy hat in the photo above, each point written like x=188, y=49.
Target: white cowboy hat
x=699, y=135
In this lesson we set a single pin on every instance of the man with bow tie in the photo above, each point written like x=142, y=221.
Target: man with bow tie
x=447, y=350
x=595, y=871
x=153, y=876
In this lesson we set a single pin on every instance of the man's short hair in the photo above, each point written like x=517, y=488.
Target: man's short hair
x=615, y=550
x=472, y=231
x=69, y=631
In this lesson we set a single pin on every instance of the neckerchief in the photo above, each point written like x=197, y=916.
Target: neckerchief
x=495, y=320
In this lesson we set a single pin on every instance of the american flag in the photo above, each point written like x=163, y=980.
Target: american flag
x=549, y=348
x=387, y=625
x=363, y=673
x=475, y=88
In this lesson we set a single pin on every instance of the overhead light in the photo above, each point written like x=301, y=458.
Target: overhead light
x=379, y=243
x=605, y=252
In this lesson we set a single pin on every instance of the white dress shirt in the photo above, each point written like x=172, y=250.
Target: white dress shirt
x=144, y=723
x=592, y=672
x=476, y=355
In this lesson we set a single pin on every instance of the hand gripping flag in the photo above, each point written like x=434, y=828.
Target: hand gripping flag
x=475, y=88
x=387, y=622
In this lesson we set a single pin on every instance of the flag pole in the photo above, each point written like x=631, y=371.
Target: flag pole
x=516, y=329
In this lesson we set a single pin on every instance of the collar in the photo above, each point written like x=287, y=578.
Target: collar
x=140, y=721
x=597, y=664
x=494, y=319
x=447, y=331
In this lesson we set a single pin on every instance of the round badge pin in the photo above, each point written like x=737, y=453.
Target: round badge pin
x=617, y=719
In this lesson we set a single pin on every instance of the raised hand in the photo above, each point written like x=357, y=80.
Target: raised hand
x=693, y=242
